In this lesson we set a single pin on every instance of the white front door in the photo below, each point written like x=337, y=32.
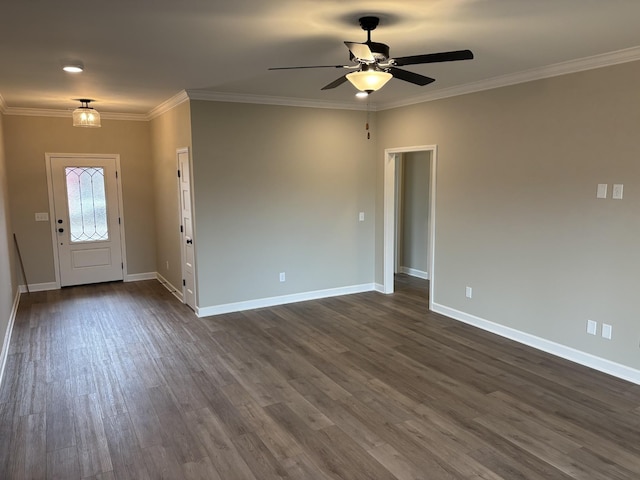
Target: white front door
x=86, y=218
x=186, y=223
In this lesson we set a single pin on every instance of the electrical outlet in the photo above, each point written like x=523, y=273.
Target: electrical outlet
x=607, y=330
x=592, y=327
x=283, y=277
x=469, y=292
x=361, y=216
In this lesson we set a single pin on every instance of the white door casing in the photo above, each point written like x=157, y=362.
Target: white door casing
x=86, y=221
x=391, y=156
x=186, y=229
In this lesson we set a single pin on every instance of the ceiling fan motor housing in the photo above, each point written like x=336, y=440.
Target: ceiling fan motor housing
x=380, y=52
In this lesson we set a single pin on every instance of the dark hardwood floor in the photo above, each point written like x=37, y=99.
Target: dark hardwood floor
x=122, y=381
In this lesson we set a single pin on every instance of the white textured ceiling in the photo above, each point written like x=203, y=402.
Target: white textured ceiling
x=139, y=53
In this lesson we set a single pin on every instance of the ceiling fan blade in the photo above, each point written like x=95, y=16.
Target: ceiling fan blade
x=434, y=58
x=410, y=77
x=360, y=51
x=309, y=66
x=335, y=83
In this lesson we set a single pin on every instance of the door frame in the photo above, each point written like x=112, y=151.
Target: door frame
x=391, y=158
x=52, y=223
x=183, y=252
x=398, y=211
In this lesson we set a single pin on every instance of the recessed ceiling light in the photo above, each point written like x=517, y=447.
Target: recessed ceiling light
x=362, y=94
x=73, y=67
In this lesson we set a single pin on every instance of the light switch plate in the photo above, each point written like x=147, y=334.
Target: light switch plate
x=602, y=190
x=607, y=330
x=361, y=216
x=617, y=191
x=592, y=327
x=42, y=217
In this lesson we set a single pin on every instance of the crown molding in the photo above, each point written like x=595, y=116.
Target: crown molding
x=44, y=112
x=211, y=96
x=555, y=70
x=37, y=112
x=135, y=117
x=167, y=105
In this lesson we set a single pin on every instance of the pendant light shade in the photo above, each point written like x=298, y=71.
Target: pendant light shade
x=86, y=116
x=369, y=80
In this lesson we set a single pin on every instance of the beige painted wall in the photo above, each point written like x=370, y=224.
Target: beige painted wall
x=27, y=139
x=8, y=275
x=278, y=189
x=415, y=210
x=516, y=212
x=169, y=131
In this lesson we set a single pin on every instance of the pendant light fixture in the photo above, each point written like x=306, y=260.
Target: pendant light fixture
x=86, y=116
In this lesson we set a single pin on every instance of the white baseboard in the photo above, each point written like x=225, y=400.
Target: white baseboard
x=378, y=287
x=137, y=277
x=568, y=353
x=4, y=354
x=282, y=300
x=414, y=272
x=39, y=287
x=165, y=283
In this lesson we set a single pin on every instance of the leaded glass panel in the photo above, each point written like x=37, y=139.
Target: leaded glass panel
x=87, y=204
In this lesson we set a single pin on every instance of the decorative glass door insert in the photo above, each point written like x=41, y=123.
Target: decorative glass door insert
x=87, y=202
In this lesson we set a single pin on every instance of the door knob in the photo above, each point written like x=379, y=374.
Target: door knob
x=189, y=241
x=59, y=220
x=61, y=230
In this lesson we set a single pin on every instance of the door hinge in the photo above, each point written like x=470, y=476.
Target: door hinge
x=118, y=220
x=122, y=265
x=181, y=229
x=178, y=173
x=184, y=282
x=116, y=174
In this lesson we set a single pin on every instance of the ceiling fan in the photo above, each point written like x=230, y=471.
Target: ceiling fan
x=372, y=67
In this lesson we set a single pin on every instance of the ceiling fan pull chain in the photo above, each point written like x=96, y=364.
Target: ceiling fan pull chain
x=366, y=125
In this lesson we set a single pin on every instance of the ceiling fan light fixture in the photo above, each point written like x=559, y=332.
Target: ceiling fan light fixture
x=86, y=116
x=369, y=80
x=362, y=94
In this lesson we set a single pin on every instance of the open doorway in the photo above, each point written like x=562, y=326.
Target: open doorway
x=396, y=171
x=411, y=270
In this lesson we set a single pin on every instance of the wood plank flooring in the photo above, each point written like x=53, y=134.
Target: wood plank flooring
x=121, y=381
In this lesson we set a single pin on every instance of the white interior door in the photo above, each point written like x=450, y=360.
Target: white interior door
x=86, y=219
x=186, y=222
